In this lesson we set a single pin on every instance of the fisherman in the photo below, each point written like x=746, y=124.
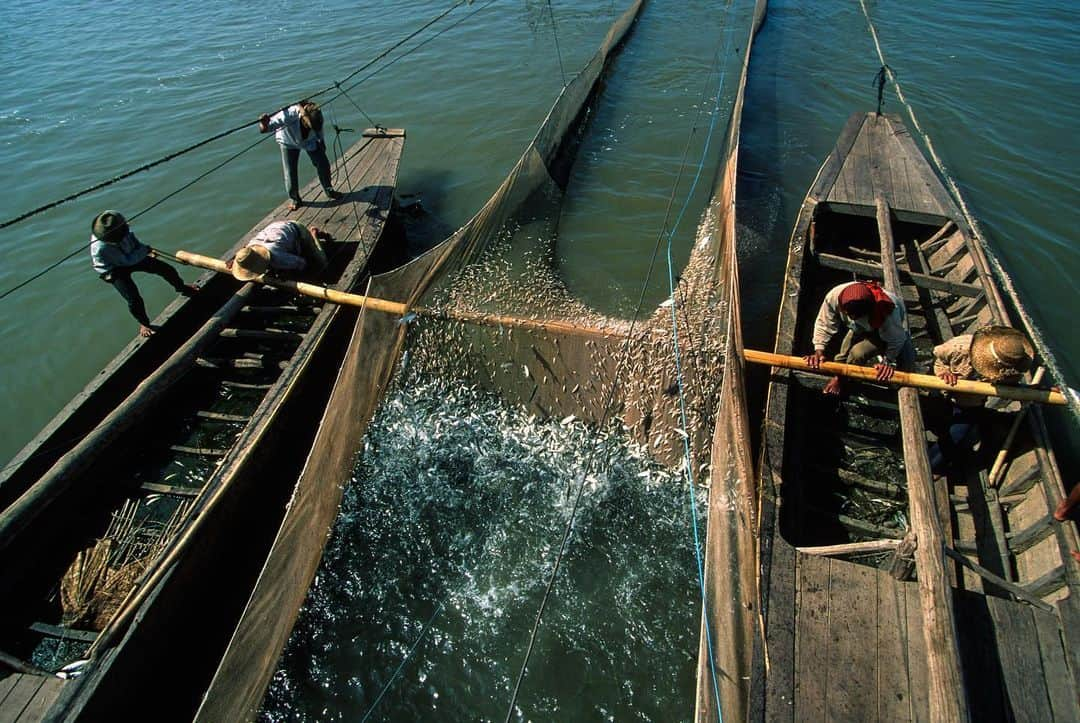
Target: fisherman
x=994, y=354
x=117, y=253
x=877, y=325
x=299, y=127
x=282, y=246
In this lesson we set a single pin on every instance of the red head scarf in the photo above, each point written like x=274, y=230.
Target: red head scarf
x=870, y=291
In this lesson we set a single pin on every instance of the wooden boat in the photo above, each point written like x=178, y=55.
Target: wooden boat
x=136, y=523
x=850, y=504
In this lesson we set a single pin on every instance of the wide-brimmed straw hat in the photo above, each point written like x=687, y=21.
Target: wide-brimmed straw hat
x=251, y=262
x=110, y=226
x=1000, y=352
x=311, y=112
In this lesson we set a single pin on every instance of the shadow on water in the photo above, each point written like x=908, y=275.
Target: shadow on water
x=761, y=213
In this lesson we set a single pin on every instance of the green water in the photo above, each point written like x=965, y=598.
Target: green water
x=91, y=90
x=995, y=85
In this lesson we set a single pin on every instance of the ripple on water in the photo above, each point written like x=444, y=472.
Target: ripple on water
x=458, y=505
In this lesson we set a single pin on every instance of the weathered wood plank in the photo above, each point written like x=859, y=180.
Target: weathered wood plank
x=170, y=489
x=1021, y=666
x=893, y=687
x=854, y=185
x=981, y=665
x=1001, y=582
x=937, y=200
x=1031, y=535
x=6, y=684
x=262, y=334
x=43, y=699
x=849, y=548
x=915, y=660
x=16, y=701
x=221, y=416
x=1059, y=680
x=925, y=281
x=56, y=631
x=812, y=639
x=851, y=662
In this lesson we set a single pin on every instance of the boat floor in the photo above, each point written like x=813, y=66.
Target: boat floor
x=855, y=651
x=26, y=697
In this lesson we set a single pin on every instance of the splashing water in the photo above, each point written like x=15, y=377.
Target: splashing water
x=458, y=504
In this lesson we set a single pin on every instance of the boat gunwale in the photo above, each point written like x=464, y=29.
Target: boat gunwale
x=773, y=693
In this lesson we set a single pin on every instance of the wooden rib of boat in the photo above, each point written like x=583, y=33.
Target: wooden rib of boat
x=980, y=620
x=136, y=523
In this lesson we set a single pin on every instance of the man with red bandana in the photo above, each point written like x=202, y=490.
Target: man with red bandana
x=876, y=323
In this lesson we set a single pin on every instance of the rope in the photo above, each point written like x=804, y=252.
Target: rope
x=555, y=34
x=1003, y=277
x=192, y=147
x=417, y=46
x=408, y=656
x=687, y=458
x=122, y=176
x=152, y=206
x=608, y=406
x=223, y=134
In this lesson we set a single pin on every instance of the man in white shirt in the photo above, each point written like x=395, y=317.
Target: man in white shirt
x=300, y=127
x=281, y=246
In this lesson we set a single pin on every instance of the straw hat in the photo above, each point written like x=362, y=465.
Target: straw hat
x=110, y=226
x=1000, y=352
x=310, y=112
x=251, y=262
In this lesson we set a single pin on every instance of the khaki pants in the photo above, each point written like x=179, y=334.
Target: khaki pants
x=860, y=347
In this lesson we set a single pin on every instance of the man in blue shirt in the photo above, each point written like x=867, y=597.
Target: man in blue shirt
x=116, y=253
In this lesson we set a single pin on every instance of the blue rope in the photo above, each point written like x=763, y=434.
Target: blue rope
x=406, y=659
x=679, y=376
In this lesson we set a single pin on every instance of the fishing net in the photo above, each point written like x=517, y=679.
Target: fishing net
x=374, y=351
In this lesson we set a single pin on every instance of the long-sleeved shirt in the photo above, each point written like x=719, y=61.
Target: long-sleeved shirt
x=954, y=356
x=282, y=239
x=893, y=330
x=127, y=252
x=286, y=127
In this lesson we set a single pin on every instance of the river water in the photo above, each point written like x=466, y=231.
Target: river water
x=91, y=90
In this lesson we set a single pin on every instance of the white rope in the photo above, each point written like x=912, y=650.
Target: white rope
x=1003, y=277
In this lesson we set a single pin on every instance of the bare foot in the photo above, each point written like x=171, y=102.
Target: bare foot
x=293, y=205
x=1062, y=512
x=1075, y=555
x=833, y=387
x=145, y=331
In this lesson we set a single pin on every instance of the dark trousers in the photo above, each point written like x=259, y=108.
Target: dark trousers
x=121, y=280
x=290, y=159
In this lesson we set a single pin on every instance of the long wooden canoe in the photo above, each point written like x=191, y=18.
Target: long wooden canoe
x=901, y=580
x=134, y=526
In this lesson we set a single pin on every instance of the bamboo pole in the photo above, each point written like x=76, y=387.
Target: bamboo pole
x=999, y=462
x=395, y=307
x=910, y=379
x=904, y=379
